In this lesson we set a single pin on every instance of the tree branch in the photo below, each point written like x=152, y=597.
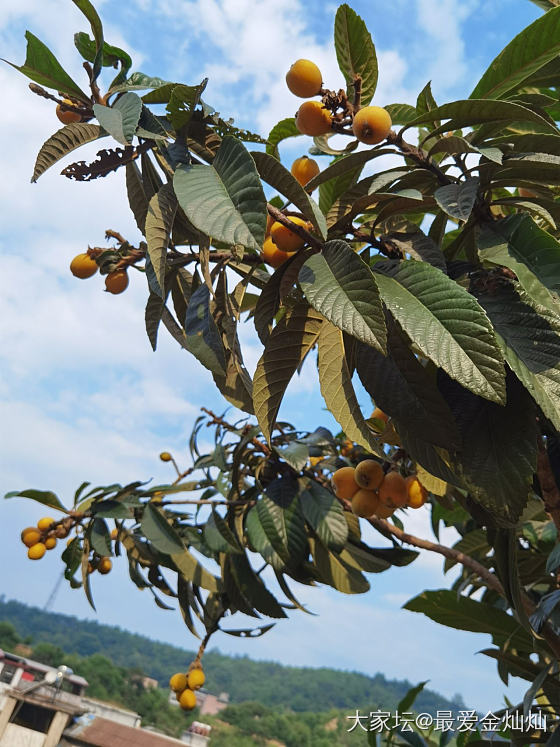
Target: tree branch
x=549, y=488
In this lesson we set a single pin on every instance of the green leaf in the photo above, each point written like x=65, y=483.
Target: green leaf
x=401, y=114
x=446, y=608
x=46, y=497
x=469, y=112
x=159, y=532
x=137, y=199
x=498, y=456
x=404, y=389
x=457, y=200
x=341, y=287
x=529, y=336
x=358, y=555
x=182, y=103
x=529, y=51
x=408, y=700
x=111, y=56
x=139, y=82
x=288, y=344
x=355, y=52
x=100, y=537
x=64, y=141
x=159, y=221
x=336, y=387
x=295, y=454
x=324, y=515
x=414, y=241
x=553, y=560
x=334, y=571
x=203, y=338
x=191, y=570
x=284, y=529
x=284, y=129
x=446, y=323
x=252, y=588
x=342, y=166
x=97, y=30
x=532, y=253
x=218, y=536
x=426, y=103
x=225, y=200
x=273, y=173
x=121, y=119
x=152, y=317
x=43, y=67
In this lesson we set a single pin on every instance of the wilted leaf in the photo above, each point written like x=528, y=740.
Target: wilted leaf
x=64, y=141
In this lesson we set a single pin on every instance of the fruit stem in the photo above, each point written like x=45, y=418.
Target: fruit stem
x=95, y=92
x=417, y=155
x=357, y=103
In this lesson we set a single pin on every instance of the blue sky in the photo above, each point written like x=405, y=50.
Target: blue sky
x=83, y=396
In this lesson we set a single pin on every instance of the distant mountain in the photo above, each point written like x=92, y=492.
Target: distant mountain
x=265, y=682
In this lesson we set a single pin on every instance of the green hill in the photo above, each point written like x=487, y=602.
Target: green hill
x=265, y=682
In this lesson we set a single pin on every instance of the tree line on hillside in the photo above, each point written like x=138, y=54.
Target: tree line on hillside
x=271, y=684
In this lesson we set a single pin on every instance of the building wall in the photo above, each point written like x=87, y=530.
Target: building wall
x=19, y=736
x=113, y=713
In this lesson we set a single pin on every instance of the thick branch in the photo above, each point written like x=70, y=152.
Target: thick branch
x=490, y=579
x=419, y=156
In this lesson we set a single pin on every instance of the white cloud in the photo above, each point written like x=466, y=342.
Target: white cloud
x=442, y=21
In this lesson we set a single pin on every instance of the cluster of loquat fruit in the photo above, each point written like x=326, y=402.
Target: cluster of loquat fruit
x=84, y=266
x=48, y=531
x=184, y=685
x=370, y=125
x=43, y=537
x=371, y=492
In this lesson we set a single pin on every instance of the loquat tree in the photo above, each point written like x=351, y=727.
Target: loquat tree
x=435, y=283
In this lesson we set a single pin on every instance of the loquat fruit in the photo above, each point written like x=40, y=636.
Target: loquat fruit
x=383, y=512
x=50, y=543
x=369, y=474
x=392, y=491
x=416, y=492
x=116, y=282
x=83, y=266
x=178, y=682
x=45, y=523
x=272, y=255
x=304, y=79
x=187, y=700
x=365, y=502
x=304, y=169
x=313, y=119
x=195, y=679
x=344, y=484
x=36, y=551
x=371, y=124
x=30, y=536
x=285, y=239
x=65, y=116
x=114, y=533
x=165, y=456
x=105, y=565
